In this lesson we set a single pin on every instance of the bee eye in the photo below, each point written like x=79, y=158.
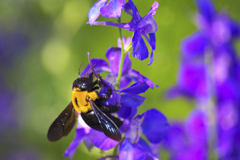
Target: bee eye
x=76, y=100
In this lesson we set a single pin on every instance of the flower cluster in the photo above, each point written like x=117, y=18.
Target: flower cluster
x=126, y=85
x=146, y=26
x=188, y=140
x=209, y=74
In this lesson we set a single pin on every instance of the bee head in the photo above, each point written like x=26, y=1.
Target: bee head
x=84, y=83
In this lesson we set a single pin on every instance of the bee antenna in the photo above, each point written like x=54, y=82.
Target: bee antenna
x=79, y=73
x=89, y=70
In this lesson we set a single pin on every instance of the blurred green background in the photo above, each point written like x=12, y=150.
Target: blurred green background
x=43, y=43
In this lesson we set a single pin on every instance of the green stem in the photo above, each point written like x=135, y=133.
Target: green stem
x=118, y=80
x=122, y=59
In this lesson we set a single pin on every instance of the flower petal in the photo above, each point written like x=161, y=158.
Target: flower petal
x=192, y=78
x=137, y=77
x=125, y=81
x=136, y=15
x=100, y=66
x=153, y=8
x=147, y=25
x=196, y=126
x=151, y=59
x=135, y=130
x=70, y=151
x=126, y=42
x=124, y=112
x=194, y=45
x=143, y=144
x=130, y=151
x=155, y=123
x=140, y=50
x=94, y=11
x=88, y=143
x=125, y=126
x=127, y=65
x=176, y=137
x=207, y=9
x=101, y=141
x=234, y=28
x=129, y=104
x=227, y=91
x=113, y=9
x=114, y=98
x=127, y=112
x=131, y=100
x=226, y=128
x=176, y=91
x=113, y=55
x=136, y=88
x=155, y=150
x=127, y=7
x=152, y=41
x=110, y=78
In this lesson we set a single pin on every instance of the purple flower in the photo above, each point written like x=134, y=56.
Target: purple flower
x=113, y=55
x=145, y=26
x=217, y=79
x=192, y=81
x=15, y=37
x=128, y=99
x=8, y=114
x=219, y=27
x=227, y=101
x=215, y=31
x=227, y=129
x=131, y=100
x=91, y=138
x=112, y=9
x=187, y=141
x=194, y=46
x=150, y=123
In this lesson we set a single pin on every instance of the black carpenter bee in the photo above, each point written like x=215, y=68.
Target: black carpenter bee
x=86, y=100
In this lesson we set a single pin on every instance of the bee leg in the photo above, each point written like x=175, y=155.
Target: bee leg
x=107, y=95
x=109, y=109
x=95, y=87
x=96, y=84
x=99, y=81
x=91, y=75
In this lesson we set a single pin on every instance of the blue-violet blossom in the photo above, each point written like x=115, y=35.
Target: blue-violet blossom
x=113, y=55
x=145, y=26
x=112, y=9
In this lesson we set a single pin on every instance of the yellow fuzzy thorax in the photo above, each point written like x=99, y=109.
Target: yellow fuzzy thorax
x=83, y=105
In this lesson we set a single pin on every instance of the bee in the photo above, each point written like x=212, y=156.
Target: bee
x=86, y=101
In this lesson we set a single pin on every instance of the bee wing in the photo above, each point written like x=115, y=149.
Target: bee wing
x=63, y=124
x=109, y=128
